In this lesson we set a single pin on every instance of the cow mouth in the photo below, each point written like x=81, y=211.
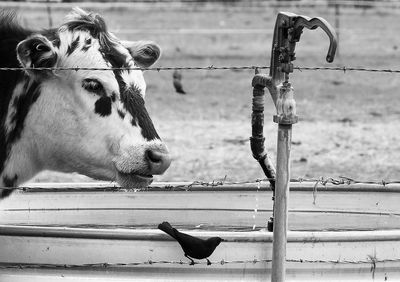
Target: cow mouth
x=134, y=180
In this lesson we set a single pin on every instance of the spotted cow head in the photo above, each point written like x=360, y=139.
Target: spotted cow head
x=90, y=121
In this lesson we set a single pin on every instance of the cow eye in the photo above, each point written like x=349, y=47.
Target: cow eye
x=93, y=85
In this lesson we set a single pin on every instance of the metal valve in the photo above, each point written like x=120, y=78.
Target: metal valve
x=287, y=32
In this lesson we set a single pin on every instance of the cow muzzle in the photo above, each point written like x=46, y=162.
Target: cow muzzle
x=136, y=167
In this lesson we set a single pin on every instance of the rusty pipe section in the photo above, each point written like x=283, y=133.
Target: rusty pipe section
x=257, y=139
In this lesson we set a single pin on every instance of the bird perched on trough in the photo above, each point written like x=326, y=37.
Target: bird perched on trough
x=177, y=81
x=193, y=247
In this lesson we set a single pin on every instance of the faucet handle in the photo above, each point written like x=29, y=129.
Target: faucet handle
x=312, y=23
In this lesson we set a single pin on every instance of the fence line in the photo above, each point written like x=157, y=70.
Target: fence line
x=219, y=31
x=343, y=69
x=324, y=181
x=197, y=31
x=370, y=260
x=363, y=4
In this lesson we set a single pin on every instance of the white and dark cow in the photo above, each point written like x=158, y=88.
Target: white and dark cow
x=89, y=121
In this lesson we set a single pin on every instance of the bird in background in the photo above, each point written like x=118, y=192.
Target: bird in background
x=177, y=81
x=193, y=247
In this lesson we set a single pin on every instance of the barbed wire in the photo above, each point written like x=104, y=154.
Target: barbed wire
x=257, y=4
x=346, y=69
x=213, y=31
x=343, y=69
x=324, y=181
x=370, y=260
x=212, y=67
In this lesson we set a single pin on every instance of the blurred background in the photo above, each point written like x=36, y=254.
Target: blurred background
x=349, y=121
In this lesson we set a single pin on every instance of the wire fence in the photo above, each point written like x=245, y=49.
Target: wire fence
x=324, y=181
x=104, y=265
x=343, y=69
x=363, y=4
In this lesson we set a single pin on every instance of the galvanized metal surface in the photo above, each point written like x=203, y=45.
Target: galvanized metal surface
x=315, y=256
x=342, y=208
x=40, y=232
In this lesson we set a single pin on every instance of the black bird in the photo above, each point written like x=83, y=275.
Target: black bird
x=177, y=81
x=193, y=247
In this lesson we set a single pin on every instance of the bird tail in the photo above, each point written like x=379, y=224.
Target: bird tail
x=5, y=193
x=167, y=228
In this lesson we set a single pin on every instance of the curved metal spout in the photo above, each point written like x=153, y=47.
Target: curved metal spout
x=313, y=23
x=287, y=32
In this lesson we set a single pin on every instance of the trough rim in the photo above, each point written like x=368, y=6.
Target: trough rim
x=229, y=236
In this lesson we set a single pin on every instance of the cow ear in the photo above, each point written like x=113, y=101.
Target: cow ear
x=36, y=52
x=144, y=53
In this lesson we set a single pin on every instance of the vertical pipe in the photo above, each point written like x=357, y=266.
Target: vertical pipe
x=49, y=16
x=260, y=81
x=337, y=25
x=281, y=203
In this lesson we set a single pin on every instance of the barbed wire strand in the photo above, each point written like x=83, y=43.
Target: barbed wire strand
x=370, y=260
x=324, y=181
x=343, y=69
x=316, y=3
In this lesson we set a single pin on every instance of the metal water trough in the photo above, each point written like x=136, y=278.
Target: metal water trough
x=339, y=233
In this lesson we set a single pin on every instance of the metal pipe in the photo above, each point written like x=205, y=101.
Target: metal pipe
x=281, y=206
x=337, y=25
x=260, y=81
x=257, y=121
x=285, y=117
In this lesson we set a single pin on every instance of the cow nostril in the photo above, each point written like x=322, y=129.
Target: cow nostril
x=154, y=157
x=158, y=161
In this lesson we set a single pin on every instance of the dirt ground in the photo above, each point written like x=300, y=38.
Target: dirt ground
x=349, y=122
